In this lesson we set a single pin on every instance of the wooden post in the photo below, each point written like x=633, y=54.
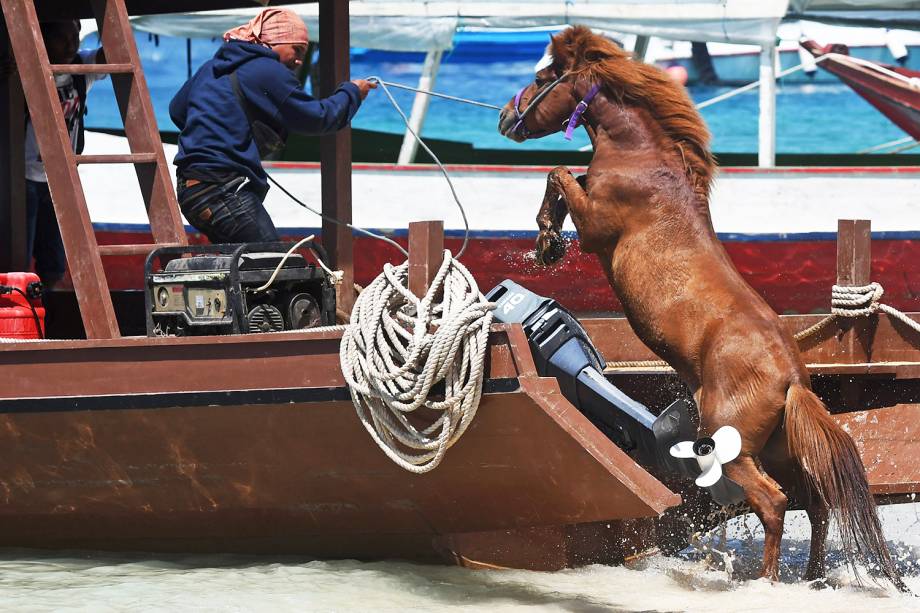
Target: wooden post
x=854, y=264
x=854, y=251
x=335, y=149
x=426, y=253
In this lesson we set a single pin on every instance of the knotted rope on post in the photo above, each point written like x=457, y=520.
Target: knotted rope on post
x=399, y=347
x=857, y=301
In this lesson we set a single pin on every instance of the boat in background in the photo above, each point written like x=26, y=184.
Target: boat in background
x=740, y=64
x=893, y=90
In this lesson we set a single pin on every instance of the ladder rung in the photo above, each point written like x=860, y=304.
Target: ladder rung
x=134, y=249
x=92, y=68
x=117, y=158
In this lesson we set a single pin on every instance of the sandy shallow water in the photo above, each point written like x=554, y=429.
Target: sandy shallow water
x=77, y=581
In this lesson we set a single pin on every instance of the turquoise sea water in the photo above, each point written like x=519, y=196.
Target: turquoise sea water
x=820, y=117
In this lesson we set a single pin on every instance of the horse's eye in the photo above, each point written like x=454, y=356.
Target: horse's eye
x=539, y=81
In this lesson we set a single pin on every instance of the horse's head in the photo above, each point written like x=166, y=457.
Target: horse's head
x=630, y=106
x=557, y=97
x=539, y=108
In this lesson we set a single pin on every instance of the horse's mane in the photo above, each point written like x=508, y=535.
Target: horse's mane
x=599, y=60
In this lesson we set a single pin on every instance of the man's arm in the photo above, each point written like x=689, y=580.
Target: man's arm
x=299, y=112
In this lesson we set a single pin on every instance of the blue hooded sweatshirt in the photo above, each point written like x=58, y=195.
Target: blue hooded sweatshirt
x=216, y=137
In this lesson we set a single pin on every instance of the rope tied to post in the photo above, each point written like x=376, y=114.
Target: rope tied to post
x=399, y=347
x=857, y=301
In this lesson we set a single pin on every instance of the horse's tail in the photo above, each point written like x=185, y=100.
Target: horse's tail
x=835, y=472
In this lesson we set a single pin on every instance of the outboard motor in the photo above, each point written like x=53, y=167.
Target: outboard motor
x=561, y=349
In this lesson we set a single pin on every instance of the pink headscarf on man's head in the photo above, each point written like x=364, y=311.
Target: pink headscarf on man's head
x=271, y=27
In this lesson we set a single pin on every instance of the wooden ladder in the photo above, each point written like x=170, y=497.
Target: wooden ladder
x=84, y=255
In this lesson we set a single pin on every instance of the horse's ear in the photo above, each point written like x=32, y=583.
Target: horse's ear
x=561, y=52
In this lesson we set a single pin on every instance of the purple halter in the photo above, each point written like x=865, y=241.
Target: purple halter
x=571, y=123
x=580, y=109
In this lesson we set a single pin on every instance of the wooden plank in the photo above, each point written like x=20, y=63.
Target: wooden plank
x=893, y=370
x=63, y=180
x=77, y=367
x=117, y=250
x=889, y=443
x=892, y=342
x=12, y=167
x=139, y=121
x=426, y=254
x=117, y=158
x=335, y=149
x=91, y=68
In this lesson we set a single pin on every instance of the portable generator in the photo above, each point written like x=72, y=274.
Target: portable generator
x=236, y=289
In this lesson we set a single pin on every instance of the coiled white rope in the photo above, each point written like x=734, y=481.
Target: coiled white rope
x=398, y=347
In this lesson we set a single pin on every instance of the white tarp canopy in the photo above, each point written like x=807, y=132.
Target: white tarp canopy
x=421, y=25
x=872, y=13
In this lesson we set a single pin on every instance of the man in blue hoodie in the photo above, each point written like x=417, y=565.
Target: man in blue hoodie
x=238, y=107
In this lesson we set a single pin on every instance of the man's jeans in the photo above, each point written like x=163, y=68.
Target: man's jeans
x=226, y=213
x=43, y=236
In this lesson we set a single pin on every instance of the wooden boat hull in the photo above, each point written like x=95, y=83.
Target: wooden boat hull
x=103, y=446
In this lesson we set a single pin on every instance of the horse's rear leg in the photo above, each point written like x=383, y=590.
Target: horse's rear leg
x=818, y=515
x=778, y=463
x=769, y=504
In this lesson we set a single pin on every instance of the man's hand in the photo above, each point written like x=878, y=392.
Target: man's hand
x=364, y=86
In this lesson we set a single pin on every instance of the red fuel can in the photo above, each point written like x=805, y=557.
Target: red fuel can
x=21, y=316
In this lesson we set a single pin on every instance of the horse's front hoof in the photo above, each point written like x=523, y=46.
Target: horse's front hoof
x=553, y=249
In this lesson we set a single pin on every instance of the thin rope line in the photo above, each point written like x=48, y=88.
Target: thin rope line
x=437, y=95
x=466, y=223
x=334, y=220
x=891, y=143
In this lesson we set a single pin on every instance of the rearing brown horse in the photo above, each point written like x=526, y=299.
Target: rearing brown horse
x=643, y=209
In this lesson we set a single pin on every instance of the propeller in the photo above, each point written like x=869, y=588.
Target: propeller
x=710, y=453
